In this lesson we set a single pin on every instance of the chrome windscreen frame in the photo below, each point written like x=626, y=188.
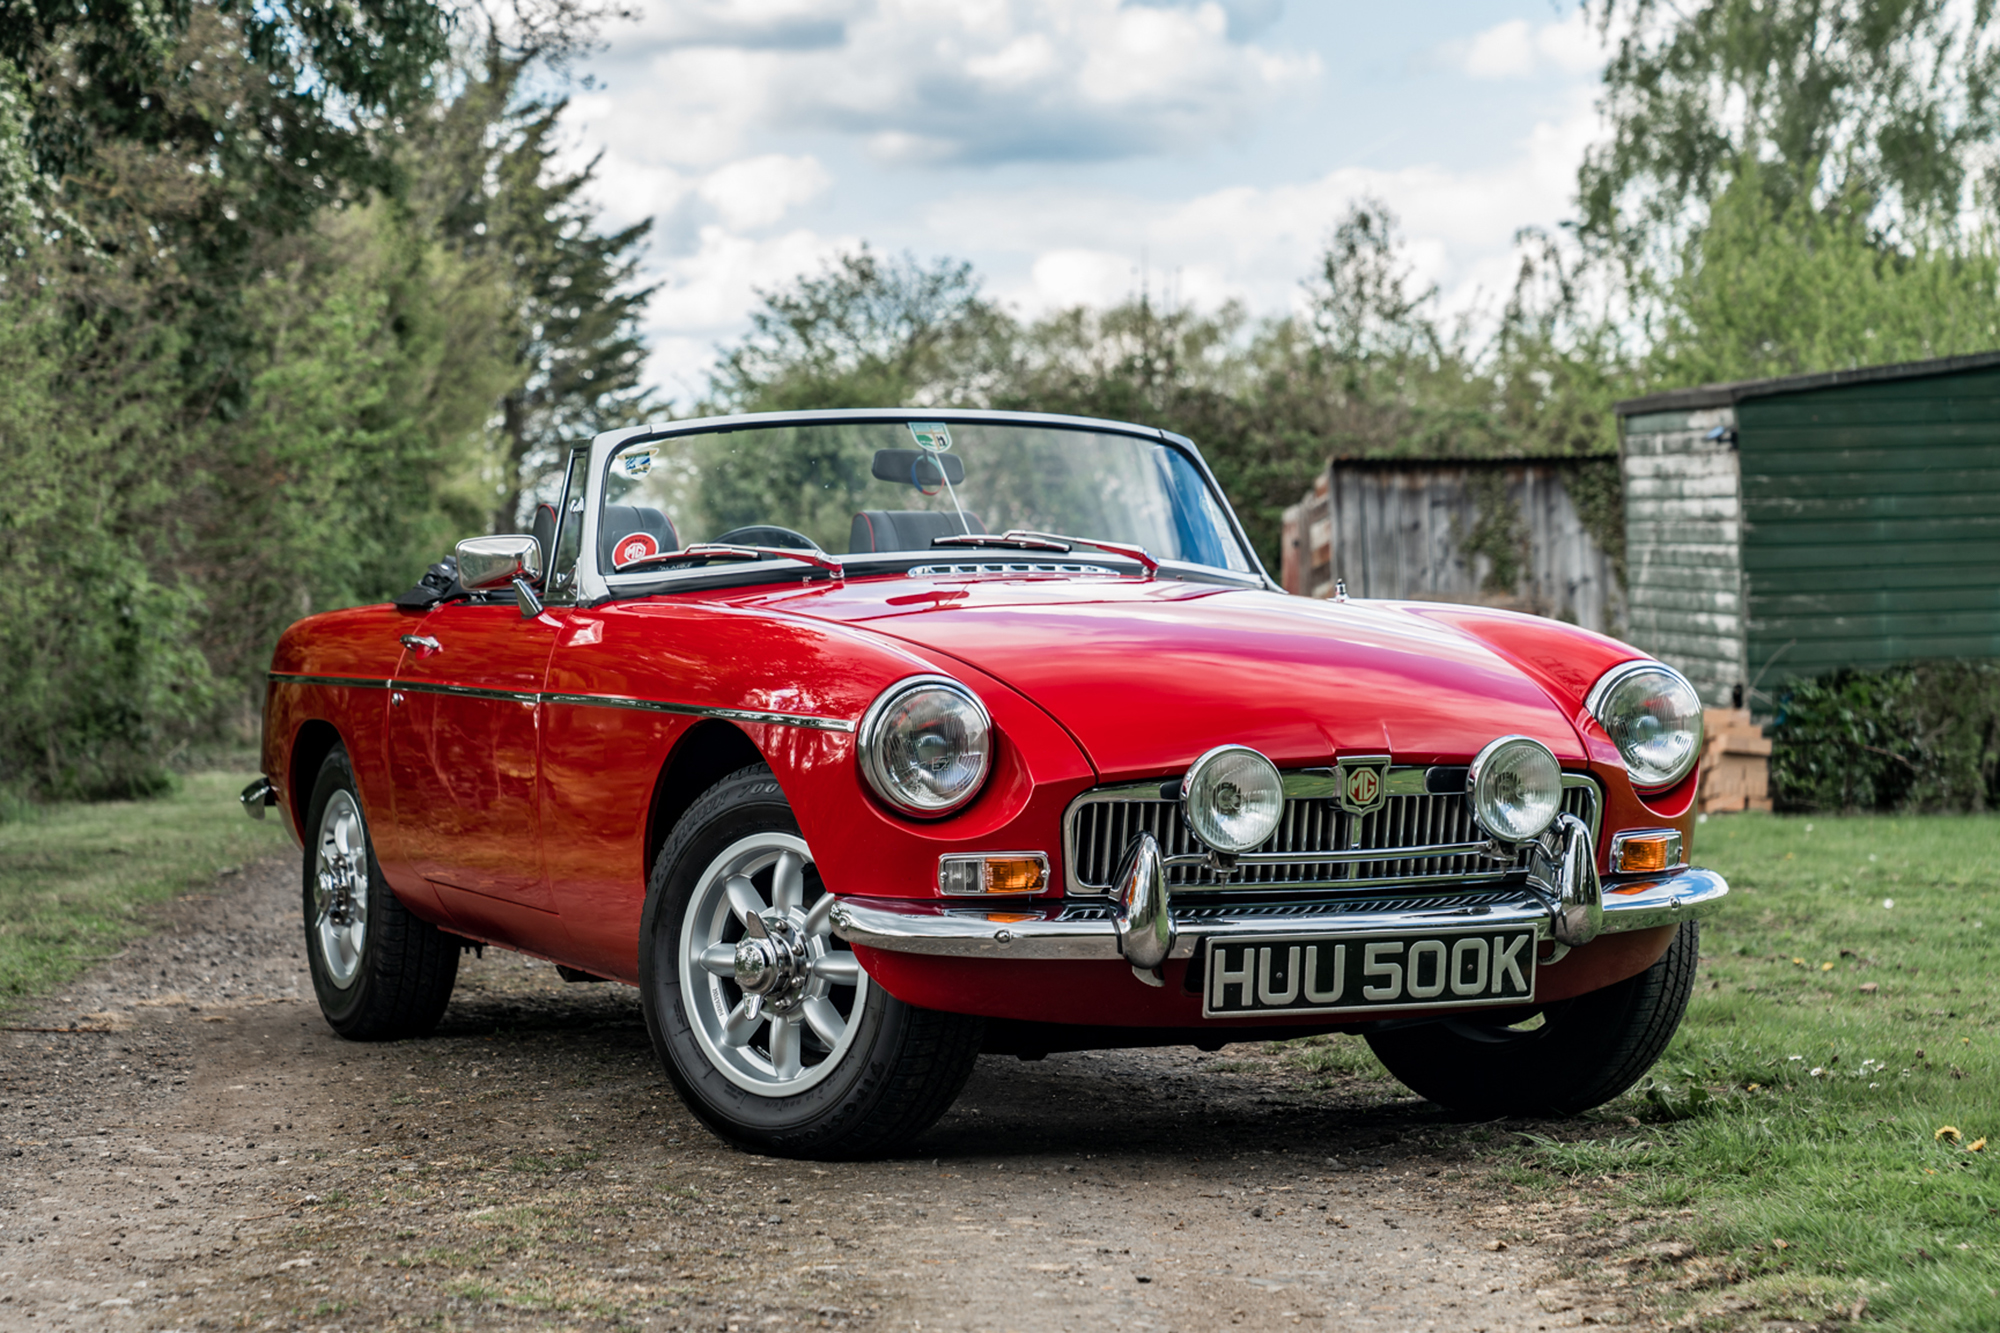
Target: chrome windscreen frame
x=1324, y=784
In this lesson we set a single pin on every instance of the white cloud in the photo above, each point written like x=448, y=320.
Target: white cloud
x=1256, y=244
x=1517, y=49
x=756, y=192
x=706, y=293
x=724, y=121
x=962, y=81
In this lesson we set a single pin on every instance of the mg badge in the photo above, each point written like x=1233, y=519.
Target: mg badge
x=1363, y=782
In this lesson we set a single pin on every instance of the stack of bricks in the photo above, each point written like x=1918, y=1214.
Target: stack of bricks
x=1735, y=762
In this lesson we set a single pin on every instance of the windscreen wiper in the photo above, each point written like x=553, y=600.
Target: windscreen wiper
x=1022, y=540
x=705, y=551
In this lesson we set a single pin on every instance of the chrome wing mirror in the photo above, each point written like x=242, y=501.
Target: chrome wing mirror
x=485, y=563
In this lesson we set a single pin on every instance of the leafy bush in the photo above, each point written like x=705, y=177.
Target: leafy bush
x=1923, y=736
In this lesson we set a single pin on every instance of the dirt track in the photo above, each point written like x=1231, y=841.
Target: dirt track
x=221, y=1160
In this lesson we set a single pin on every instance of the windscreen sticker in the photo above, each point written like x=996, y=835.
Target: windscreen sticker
x=931, y=436
x=635, y=547
x=636, y=463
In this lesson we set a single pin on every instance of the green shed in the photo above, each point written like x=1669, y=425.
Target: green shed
x=1784, y=527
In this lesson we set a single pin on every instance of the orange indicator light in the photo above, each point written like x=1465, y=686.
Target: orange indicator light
x=1016, y=874
x=1646, y=851
x=1000, y=872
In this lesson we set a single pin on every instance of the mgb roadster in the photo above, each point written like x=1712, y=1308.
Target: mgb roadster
x=867, y=742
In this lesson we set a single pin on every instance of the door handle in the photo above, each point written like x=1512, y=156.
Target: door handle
x=422, y=643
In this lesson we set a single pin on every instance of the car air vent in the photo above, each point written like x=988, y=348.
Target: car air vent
x=1100, y=825
x=968, y=568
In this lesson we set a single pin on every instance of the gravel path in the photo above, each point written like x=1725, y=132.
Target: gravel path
x=218, y=1159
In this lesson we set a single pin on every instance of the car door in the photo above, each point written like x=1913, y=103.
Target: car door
x=465, y=723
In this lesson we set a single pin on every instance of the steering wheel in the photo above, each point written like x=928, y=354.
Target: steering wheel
x=766, y=534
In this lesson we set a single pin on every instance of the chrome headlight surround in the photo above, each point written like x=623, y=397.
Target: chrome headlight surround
x=926, y=725
x=1233, y=799
x=1653, y=715
x=1515, y=788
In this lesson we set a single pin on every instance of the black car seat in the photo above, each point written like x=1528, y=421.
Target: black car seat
x=544, y=532
x=904, y=529
x=625, y=521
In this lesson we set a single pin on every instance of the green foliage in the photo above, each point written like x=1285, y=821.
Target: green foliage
x=97, y=666
x=1782, y=290
x=1498, y=532
x=1890, y=103
x=1920, y=737
x=281, y=100
x=866, y=332
x=375, y=358
x=483, y=175
x=299, y=302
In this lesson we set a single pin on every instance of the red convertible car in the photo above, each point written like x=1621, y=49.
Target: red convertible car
x=866, y=742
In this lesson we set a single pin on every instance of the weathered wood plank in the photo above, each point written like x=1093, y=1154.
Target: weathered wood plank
x=1400, y=532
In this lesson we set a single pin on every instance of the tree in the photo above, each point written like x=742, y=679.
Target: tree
x=308, y=88
x=252, y=369
x=868, y=332
x=1768, y=289
x=1884, y=107
x=483, y=174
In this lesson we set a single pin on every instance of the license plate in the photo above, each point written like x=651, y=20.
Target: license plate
x=1329, y=974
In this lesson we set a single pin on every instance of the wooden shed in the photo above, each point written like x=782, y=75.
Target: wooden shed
x=1503, y=531
x=1785, y=527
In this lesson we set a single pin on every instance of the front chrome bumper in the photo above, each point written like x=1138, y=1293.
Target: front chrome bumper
x=1089, y=931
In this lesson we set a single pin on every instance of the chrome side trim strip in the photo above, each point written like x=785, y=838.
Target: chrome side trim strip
x=697, y=710
x=805, y=720
x=352, y=682
x=1089, y=932
x=467, y=691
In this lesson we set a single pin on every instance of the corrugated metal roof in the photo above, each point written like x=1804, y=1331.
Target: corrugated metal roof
x=1725, y=395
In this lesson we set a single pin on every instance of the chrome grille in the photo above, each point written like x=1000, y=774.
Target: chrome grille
x=1101, y=824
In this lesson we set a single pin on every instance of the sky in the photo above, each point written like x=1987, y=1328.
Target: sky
x=1075, y=151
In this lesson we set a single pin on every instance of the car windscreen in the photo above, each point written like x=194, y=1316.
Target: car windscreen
x=872, y=487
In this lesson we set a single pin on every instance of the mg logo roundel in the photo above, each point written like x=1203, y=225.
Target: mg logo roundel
x=1363, y=779
x=638, y=546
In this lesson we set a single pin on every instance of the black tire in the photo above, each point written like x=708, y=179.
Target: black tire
x=398, y=980
x=1587, y=1050
x=888, y=1079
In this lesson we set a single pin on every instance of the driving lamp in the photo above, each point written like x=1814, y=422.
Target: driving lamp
x=926, y=745
x=1233, y=798
x=1653, y=716
x=1516, y=788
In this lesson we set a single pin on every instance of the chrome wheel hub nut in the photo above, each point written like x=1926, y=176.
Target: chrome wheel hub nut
x=773, y=963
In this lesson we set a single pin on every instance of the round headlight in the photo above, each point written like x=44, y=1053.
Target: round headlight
x=1653, y=716
x=926, y=745
x=1516, y=788
x=1233, y=797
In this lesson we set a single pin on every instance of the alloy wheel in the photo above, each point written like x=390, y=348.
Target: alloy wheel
x=772, y=997
x=340, y=888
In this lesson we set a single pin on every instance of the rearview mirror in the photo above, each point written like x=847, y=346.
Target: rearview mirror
x=918, y=468
x=495, y=562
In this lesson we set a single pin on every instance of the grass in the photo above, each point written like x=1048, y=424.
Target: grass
x=1330, y=1058
x=72, y=876
x=1840, y=1061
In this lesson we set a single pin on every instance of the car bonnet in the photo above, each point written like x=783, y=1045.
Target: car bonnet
x=1147, y=675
